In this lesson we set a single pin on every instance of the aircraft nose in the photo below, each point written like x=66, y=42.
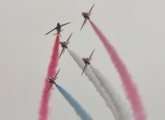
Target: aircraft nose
x=82, y=13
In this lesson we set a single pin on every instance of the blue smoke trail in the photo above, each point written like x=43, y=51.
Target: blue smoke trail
x=77, y=107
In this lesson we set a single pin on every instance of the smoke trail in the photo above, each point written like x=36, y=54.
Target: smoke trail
x=43, y=111
x=129, y=86
x=77, y=107
x=124, y=112
x=88, y=72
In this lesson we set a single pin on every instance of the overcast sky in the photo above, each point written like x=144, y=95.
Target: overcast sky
x=135, y=28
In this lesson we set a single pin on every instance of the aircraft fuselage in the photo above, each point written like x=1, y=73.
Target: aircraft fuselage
x=86, y=61
x=58, y=28
x=63, y=44
x=86, y=15
x=51, y=80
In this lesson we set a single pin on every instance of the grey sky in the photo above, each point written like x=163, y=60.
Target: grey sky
x=135, y=28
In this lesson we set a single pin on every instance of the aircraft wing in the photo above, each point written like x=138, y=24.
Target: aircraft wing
x=56, y=73
x=69, y=37
x=49, y=88
x=91, y=54
x=61, y=52
x=83, y=23
x=51, y=31
x=84, y=69
x=91, y=9
x=65, y=24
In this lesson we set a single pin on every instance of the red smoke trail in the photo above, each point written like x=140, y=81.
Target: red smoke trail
x=44, y=108
x=129, y=87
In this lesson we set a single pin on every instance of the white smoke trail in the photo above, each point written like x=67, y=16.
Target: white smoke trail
x=88, y=72
x=122, y=108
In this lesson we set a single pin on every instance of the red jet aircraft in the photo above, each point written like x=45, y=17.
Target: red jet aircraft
x=87, y=61
x=58, y=28
x=86, y=16
x=52, y=80
x=64, y=45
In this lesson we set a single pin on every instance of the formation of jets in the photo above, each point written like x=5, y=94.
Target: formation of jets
x=64, y=46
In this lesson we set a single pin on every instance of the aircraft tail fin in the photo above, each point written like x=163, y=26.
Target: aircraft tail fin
x=59, y=33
